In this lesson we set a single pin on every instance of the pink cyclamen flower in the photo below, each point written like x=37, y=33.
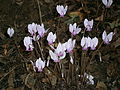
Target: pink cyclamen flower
x=70, y=44
x=32, y=29
x=10, y=32
x=107, y=3
x=41, y=30
x=74, y=29
x=87, y=42
x=28, y=43
x=88, y=24
x=61, y=10
x=39, y=64
x=107, y=38
x=51, y=38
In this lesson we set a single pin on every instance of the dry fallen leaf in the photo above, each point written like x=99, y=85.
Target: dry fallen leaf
x=101, y=86
x=77, y=14
x=100, y=18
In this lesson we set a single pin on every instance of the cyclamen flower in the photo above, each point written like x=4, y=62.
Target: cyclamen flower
x=28, y=43
x=107, y=38
x=32, y=29
x=59, y=53
x=54, y=56
x=41, y=30
x=90, y=78
x=87, y=42
x=107, y=3
x=74, y=29
x=70, y=44
x=39, y=64
x=88, y=24
x=10, y=32
x=60, y=50
x=93, y=43
x=51, y=38
x=61, y=10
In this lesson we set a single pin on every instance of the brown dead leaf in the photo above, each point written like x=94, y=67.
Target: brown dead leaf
x=77, y=14
x=100, y=18
x=101, y=86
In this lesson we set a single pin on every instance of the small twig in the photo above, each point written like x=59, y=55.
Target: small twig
x=40, y=15
x=8, y=73
x=40, y=50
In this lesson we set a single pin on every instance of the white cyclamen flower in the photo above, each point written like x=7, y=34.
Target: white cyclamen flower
x=10, y=32
x=59, y=53
x=93, y=43
x=54, y=56
x=39, y=64
x=90, y=78
x=87, y=42
x=28, y=43
x=107, y=38
x=107, y=3
x=70, y=44
x=88, y=24
x=32, y=29
x=74, y=29
x=61, y=10
x=41, y=30
x=51, y=38
x=60, y=50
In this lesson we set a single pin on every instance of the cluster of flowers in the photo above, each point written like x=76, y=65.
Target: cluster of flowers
x=57, y=53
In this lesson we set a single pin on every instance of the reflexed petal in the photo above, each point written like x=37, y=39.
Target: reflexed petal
x=95, y=41
x=110, y=35
x=88, y=41
x=83, y=41
x=104, y=35
x=91, y=23
x=110, y=2
x=71, y=28
x=53, y=56
x=85, y=22
x=105, y=2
